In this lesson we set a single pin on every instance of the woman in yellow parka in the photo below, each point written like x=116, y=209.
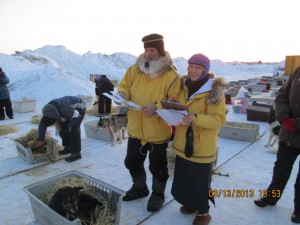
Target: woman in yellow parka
x=195, y=140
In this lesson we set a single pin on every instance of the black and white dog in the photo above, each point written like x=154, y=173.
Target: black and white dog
x=274, y=127
x=116, y=123
x=71, y=203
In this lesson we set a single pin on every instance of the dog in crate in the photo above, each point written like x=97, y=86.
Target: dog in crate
x=72, y=203
x=273, y=127
x=116, y=124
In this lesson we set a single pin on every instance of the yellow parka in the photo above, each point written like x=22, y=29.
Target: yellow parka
x=146, y=85
x=207, y=106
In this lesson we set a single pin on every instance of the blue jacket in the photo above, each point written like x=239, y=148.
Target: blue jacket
x=66, y=107
x=4, y=91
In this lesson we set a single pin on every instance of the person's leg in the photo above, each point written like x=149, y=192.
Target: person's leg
x=108, y=105
x=286, y=157
x=159, y=169
x=75, y=137
x=296, y=214
x=101, y=102
x=134, y=162
x=8, y=108
x=2, y=115
x=283, y=166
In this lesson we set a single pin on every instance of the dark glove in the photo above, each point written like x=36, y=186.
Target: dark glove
x=189, y=145
x=289, y=124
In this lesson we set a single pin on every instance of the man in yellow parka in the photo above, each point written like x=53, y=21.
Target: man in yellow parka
x=152, y=79
x=195, y=141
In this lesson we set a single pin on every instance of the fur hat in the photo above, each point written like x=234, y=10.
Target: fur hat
x=155, y=41
x=51, y=111
x=201, y=60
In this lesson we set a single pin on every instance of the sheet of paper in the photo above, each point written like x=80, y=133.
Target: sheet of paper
x=170, y=117
x=118, y=98
x=112, y=97
x=179, y=112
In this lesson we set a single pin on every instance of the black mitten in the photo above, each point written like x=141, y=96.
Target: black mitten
x=189, y=144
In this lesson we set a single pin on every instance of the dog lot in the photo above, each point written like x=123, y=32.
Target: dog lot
x=248, y=166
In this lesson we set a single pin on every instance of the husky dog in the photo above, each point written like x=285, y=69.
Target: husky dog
x=89, y=208
x=117, y=125
x=64, y=201
x=274, y=127
x=273, y=134
x=72, y=204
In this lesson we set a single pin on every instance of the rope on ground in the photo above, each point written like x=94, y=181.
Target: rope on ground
x=152, y=214
x=263, y=134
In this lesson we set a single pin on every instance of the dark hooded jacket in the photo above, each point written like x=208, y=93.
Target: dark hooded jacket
x=62, y=110
x=4, y=91
x=103, y=85
x=287, y=104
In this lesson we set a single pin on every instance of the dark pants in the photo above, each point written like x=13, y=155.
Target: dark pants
x=283, y=166
x=104, y=104
x=72, y=137
x=6, y=103
x=137, y=154
x=191, y=184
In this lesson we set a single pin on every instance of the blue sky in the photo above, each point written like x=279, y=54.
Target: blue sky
x=227, y=30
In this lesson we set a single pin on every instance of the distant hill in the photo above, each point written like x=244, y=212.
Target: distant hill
x=54, y=71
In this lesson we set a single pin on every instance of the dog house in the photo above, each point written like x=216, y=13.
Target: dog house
x=259, y=107
x=24, y=105
x=240, y=131
x=93, y=131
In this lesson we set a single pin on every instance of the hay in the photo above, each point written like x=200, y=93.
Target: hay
x=30, y=139
x=93, y=111
x=36, y=119
x=105, y=216
x=6, y=130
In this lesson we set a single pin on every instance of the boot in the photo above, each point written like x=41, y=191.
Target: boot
x=66, y=150
x=157, y=197
x=262, y=202
x=73, y=157
x=202, y=219
x=139, y=189
x=295, y=218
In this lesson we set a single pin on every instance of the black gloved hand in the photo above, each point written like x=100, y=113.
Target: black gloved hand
x=189, y=145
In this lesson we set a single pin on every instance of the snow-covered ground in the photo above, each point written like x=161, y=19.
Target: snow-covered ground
x=53, y=71
x=249, y=167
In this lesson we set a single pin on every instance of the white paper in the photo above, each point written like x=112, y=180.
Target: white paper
x=113, y=98
x=118, y=98
x=172, y=117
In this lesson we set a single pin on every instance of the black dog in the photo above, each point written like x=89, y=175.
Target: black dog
x=72, y=204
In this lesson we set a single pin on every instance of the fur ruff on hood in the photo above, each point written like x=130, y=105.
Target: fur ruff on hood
x=216, y=91
x=156, y=67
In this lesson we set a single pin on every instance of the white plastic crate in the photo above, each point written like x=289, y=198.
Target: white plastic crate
x=93, y=131
x=24, y=105
x=28, y=156
x=46, y=216
x=240, y=131
x=88, y=100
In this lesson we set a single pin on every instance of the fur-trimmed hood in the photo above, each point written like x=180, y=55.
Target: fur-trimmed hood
x=215, y=87
x=155, y=67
